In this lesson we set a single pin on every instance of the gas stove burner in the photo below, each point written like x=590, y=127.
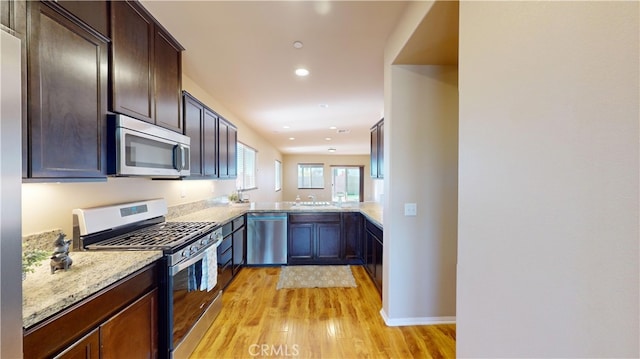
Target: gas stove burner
x=163, y=236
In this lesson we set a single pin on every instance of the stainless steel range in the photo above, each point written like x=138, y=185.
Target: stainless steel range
x=190, y=298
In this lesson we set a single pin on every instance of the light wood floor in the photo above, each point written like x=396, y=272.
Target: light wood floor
x=258, y=321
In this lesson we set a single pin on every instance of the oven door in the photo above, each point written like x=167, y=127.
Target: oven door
x=191, y=298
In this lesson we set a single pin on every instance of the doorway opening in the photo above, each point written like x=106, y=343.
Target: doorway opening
x=347, y=183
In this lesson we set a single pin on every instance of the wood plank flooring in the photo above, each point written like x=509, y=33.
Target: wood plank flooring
x=258, y=321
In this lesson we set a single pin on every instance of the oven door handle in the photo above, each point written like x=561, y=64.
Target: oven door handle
x=181, y=266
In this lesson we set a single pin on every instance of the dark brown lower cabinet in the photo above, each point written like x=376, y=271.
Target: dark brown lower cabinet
x=232, y=253
x=133, y=332
x=373, y=252
x=315, y=238
x=225, y=262
x=117, y=322
x=85, y=348
x=352, y=229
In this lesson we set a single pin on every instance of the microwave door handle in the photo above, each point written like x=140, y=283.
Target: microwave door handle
x=177, y=157
x=184, y=153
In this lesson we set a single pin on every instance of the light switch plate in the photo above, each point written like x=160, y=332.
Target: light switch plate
x=410, y=209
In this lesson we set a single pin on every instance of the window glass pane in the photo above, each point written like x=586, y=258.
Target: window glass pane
x=278, y=172
x=310, y=175
x=246, y=167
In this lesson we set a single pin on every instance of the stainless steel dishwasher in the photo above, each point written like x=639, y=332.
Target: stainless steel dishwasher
x=266, y=238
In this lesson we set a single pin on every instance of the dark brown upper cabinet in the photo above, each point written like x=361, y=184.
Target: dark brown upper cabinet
x=377, y=150
x=200, y=124
x=66, y=95
x=93, y=13
x=227, y=149
x=213, y=141
x=146, y=67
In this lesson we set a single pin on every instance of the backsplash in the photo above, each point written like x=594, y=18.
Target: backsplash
x=47, y=207
x=41, y=241
x=44, y=240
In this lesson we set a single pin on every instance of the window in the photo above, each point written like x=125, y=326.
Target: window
x=246, y=167
x=310, y=175
x=346, y=183
x=278, y=171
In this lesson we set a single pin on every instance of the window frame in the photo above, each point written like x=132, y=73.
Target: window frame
x=242, y=149
x=310, y=166
x=278, y=175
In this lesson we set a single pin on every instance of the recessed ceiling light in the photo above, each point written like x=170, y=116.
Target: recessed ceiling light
x=323, y=105
x=297, y=44
x=332, y=150
x=302, y=72
x=285, y=127
x=292, y=138
x=327, y=138
x=333, y=128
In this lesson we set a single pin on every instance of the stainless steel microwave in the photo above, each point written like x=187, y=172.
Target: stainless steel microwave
x=138, y=148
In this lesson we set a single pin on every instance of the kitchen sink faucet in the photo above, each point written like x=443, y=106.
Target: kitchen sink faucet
x=313, y=199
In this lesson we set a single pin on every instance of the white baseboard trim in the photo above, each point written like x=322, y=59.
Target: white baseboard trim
x=399, y=322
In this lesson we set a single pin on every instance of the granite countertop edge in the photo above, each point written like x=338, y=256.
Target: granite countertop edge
x=45, y=294
x=223, y=214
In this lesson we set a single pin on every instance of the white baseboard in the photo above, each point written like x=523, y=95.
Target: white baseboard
x=399, y=322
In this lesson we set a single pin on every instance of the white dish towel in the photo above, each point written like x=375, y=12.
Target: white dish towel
x=209, y=268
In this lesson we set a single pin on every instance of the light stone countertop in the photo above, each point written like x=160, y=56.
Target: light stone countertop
x=223, y=214
x=44, y=294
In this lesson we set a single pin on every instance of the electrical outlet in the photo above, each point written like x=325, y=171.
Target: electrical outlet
x=410, y=209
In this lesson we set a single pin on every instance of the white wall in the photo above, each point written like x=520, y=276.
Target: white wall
x=421, y=112
x=420, y=252
x=47, y=206
x=548, y=212
x=290, y=175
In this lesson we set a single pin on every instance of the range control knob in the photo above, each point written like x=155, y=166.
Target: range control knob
x=185, y=253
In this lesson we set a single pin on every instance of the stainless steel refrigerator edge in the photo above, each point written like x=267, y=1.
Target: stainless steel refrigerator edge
x=10, y=198
x=266, y=238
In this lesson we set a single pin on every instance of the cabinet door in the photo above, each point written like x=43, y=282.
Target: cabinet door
x=167, y=81
x=210, y=143
x=93, y=13
x=352, y=223
x=6, y=12
x=225, y=262
x=328, y=241
x=301, y=242
x=232, y=152
x=67, y=97
x=223, y=149
x=132, y=35
x=377, y=255
x=86, y=348
x=368, y=253
x=374, y=152
x=381, y=150
x=239, y=249
x=193, y=127
x=132, y=333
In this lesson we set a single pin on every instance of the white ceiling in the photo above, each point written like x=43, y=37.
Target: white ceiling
x=242, y=54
